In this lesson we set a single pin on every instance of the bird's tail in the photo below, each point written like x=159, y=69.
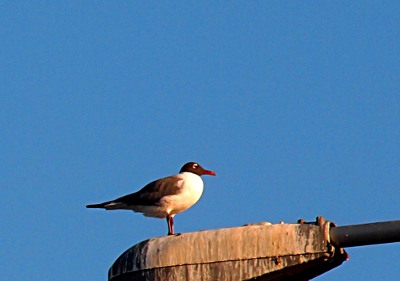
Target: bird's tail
x=97, y=206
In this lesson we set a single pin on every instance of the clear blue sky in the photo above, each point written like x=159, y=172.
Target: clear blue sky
x=295, y=105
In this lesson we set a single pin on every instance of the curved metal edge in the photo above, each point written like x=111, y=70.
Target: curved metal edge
x=332, y=248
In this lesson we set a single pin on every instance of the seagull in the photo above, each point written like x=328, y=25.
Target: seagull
x=164, y=198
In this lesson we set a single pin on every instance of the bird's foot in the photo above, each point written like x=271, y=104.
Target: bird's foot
x=174, y=234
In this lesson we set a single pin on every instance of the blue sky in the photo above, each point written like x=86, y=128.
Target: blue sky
x=295, y=105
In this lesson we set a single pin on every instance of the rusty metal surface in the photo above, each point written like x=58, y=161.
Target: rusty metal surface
x=239, y=253
x=222, y=271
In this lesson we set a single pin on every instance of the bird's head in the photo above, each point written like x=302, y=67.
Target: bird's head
x=195, y=168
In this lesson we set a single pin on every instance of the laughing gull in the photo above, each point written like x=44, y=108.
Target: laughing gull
x=164, y=198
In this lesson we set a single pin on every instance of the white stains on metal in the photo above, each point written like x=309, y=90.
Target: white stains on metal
x=258, y=223
x=251, y=250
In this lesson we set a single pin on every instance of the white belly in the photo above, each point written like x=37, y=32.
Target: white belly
x=192, y=189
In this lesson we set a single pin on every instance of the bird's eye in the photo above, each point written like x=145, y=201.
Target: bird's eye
x=195, y=166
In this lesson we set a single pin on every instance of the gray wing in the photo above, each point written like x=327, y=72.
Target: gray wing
x=152, y=192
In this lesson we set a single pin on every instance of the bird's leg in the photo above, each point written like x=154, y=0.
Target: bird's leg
x=172, y=226
x=170, y=222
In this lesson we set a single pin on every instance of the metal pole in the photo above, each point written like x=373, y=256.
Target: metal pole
x=365, y=234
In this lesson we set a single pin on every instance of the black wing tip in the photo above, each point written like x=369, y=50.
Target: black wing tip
x=95, y=206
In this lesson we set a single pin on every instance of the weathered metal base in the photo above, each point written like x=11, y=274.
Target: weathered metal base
x=262, y=251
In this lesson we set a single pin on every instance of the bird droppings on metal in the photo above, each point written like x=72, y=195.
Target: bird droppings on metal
x=258, y=223
x=239, y=253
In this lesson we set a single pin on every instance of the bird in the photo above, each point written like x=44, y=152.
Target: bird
x=165, y=197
